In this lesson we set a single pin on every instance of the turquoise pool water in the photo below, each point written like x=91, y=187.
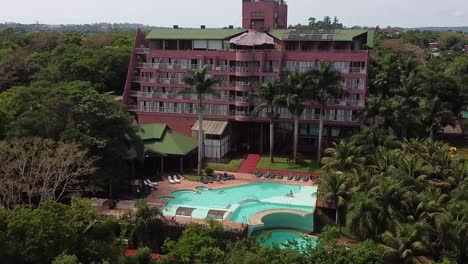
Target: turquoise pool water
x=244, y=200
x=281, y=237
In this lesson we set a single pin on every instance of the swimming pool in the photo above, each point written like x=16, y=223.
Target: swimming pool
x=281, y=237
x=243, y=201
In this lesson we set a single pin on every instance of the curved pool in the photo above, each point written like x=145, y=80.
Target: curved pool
x=241, y=202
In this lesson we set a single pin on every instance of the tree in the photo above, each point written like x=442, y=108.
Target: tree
x=76, y=112
x=344, y=156
x=271, y=94
x=66, y=259
x=297, y=92
x=328, y=83
x=362, y=217
x=201, y=84
x=334, y=187
x=409, y=243
x=41, y=169
x=148, y=227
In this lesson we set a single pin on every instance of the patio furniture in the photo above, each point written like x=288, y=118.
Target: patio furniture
x=171, y=180
x=298, y=177
x=290, y=177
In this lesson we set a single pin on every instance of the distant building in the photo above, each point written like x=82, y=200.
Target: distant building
x=434, y=46
x=262, y=50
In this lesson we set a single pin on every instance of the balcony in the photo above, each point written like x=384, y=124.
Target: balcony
x=346, y=102
x=141, y=51
x=357, y=70
x=244, y=84
x=271, y=69
x=244, y=69
x=171, y=80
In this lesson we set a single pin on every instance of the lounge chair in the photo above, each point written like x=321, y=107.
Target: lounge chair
x=218, y=178
x=231, y=177
x=259, y=174
x=290, y=177
x=306, y=178
x=204, y=180
x=175, y=179
x=178, y=176
x=151, y=183
x=279, y=176
x=210, y=179
x=267, y=175
x=298, y=177
x=171, y=180
x=224, y=177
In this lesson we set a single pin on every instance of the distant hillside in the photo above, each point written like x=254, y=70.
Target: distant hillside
x=84, y=28
x=441, y=29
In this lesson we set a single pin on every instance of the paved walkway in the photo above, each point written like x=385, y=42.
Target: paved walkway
x=165, y=189
x=313, y=175
x=249, y=164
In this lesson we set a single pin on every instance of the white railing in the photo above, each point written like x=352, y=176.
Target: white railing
x=243, y=69
x=141, y=50
x=345, y=102
x=243, y=84
x=357, y=70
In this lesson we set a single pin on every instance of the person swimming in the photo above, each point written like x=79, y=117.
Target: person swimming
x=291, y=194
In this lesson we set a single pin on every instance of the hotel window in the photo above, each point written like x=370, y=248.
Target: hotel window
x=219, y=109
x=189, y=108
x=356, y=83
x=289, y=66
x=159, y=107
x=340, y=66
x=305, y=66
x=145, y=106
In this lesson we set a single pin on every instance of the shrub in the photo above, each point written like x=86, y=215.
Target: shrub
x=209, y=171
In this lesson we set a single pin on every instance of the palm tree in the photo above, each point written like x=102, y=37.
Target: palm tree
x=409, y=243
x=201, y=84
x=362, y=217
x=344, y=156
x=392, y=200
x=298, y=90
x=270, y=93
x=436, y=114
x=334, y=187
x=328, y=84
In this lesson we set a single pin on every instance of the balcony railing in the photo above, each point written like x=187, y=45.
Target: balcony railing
x=357, y=70
x=243, y=69
x=171, y=80
x=244, y=84
x=141, y=51
x=345, y=102
x=271, y=69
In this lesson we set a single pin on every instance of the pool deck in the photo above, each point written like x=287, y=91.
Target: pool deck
x=165, y=188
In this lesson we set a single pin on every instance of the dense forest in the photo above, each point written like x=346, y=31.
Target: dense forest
x=395, y=186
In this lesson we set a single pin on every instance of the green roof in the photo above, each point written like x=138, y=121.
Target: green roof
x=465, y=114
x=158, y=138
x=277, y=33
x=193, y=33
x=152, y=131
x=370, y=38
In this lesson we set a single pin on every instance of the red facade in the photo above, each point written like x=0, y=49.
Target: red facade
x=160, y=61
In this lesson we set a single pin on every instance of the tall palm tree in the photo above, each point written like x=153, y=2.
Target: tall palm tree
x=343, y=156
x=270, y=93
x=436, y=114
x=392, y=200
x=328, y=83
x=334, y=187
x=298, y=91
x=409, y=243
x=201, y=84
x=362, y=217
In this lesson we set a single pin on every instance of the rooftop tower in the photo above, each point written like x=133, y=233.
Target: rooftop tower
x=264, y=15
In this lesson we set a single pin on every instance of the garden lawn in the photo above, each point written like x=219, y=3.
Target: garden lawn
x=232, y=166
x=192, y=176
x=284, y=165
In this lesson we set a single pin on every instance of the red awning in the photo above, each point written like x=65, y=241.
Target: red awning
x=252, y=38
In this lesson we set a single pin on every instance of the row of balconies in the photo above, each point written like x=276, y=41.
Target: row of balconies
x=308, y=115
x=233, y=98
x=223, y=68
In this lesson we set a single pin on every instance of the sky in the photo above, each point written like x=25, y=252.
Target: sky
x=220, y=13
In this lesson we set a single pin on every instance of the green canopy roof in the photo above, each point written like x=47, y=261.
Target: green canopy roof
x=322, y=35
x=160, y=139
x=193, y=33
x=152, y=131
